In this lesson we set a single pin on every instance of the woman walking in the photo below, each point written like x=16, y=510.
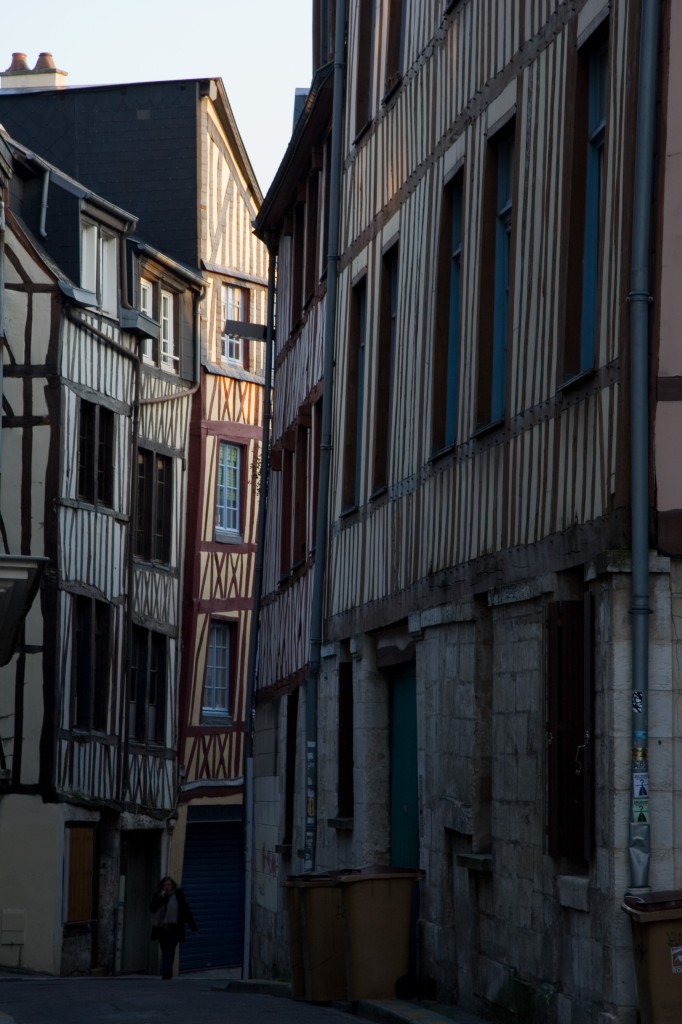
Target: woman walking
x=173, y=917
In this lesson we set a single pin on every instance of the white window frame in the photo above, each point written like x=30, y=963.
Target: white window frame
x=146, y=307
x=215, y=702
x=228, y=492
x=89, y=256
x=108, y=262
x=169, y=355
x=99, y=265
x=231, y=308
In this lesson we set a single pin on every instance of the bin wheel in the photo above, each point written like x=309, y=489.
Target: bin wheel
x=406, y=987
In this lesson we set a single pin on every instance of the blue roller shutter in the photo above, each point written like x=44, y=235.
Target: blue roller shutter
x=213, y=881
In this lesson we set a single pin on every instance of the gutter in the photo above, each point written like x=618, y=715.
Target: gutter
x=640, y=300
x=322, y=517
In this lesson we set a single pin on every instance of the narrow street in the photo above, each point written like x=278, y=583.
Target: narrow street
x=146, y=1000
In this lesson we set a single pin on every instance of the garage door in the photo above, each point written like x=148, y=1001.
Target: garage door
x=213, y=881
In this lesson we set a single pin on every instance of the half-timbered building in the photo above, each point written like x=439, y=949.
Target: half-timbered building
x=95, y=434
x=293, y=219
x=174, y=155
x=496, y=690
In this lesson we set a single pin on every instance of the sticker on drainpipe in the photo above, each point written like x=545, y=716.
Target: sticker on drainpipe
x=640, y=785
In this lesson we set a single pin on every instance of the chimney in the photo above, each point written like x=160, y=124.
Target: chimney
x=43, y=76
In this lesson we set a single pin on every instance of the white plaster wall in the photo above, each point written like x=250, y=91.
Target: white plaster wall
x=31, y=882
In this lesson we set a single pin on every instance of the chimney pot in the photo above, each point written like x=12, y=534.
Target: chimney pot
x=18, y=65
x=45, y=62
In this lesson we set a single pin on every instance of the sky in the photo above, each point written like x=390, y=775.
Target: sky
x=260, y=48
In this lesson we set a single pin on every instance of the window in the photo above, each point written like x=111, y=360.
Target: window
x=355, y=384
x=570, y=799
x=147, y=697
x=394, y=44
x=363, y=77
x=99, y=265
x=323, y=32
x=80, y=900
x=91, y=661
x=301, y=494
x=147, y=307
x=345, y=741
x=228, y=490
x=297, y=259
x=290, y=767
x=286, y=507
x=383, y=404
x=295, y=494
x=447, y=329
x=316, y=443
x=153, y=522
x=216, y=703
x=496, y=268
x=169, y=352
x=95, y=454
x=233, y=306
x=311, y=236
x=585, y=215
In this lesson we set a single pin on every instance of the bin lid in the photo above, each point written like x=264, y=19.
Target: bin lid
x=381, y=871
x=667, y=899
x=316, y=878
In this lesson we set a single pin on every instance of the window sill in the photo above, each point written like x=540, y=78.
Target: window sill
x=227, y=536
x=362, y=132
x=476, y=861
x=349, y=512
x=379, y=494
x=215, y=720
x=574, y=892
x=484, y=429
x=442, y=453
x=576, y=380
x=341, y=824
x=391, y=88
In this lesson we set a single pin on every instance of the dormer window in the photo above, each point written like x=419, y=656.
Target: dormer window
x=99, y=265
x=146, y=307
x=169, y=353
x=163, y=306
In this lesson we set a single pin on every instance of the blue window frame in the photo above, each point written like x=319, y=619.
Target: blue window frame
x=216, y=697
x=228, y=496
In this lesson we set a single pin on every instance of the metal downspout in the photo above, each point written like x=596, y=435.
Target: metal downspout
x=255, y=613
x=640, y=300
x=321, y=523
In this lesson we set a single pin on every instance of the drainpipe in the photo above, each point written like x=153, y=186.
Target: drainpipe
x=640, y=300
x=321, y=523
x=43, y=204
x=255, y=613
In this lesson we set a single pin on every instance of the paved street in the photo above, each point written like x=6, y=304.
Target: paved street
x=139, y=1000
